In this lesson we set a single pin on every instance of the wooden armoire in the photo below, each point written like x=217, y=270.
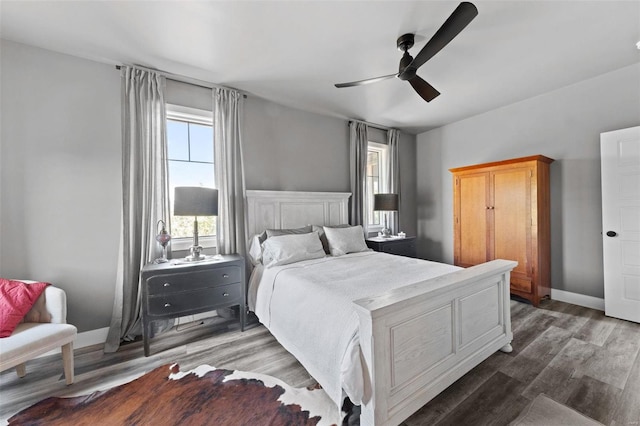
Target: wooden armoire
x=501, y=211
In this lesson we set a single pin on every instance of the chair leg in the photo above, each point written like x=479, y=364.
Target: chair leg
x=21, y=369
x=67, y=360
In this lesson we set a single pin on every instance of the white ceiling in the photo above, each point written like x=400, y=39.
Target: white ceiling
x=292, y=52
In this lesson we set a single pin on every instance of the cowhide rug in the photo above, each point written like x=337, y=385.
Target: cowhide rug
x=203, y=396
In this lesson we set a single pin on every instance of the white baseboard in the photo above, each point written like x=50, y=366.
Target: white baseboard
x=84, y=339
x=99, y=335
x=91, y=337
x=578, y=299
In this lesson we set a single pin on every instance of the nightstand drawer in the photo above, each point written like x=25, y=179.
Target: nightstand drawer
x=171, y=283
x=194, y=300
x=400, y=247
x=408, y=249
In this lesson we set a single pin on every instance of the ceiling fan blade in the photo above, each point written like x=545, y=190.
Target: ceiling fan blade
x=424, y=89
x=367, y=81
x=459, y=19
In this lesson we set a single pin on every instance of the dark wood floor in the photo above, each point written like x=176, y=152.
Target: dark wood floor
x=575, y=355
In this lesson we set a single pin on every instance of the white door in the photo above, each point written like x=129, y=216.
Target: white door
x=620, y=153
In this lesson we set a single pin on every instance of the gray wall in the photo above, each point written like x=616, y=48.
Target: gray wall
x=565, y=125
x=60, y=169
x=60, y=177
x=293, y=150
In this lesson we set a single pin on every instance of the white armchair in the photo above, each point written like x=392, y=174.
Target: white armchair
x=44, y=328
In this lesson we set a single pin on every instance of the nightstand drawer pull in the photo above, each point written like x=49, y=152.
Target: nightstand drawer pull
x=225, y=294
x=225, y=275
x=167, y=305
x=166, y=285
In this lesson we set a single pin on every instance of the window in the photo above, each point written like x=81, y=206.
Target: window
x=190, y=154
x=376, y=181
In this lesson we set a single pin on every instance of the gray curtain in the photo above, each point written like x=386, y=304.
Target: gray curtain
x=359, y=142
x=229, y=170
x=144, y=195
x=393, y=172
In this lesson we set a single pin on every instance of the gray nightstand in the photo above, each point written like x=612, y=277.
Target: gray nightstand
x=400, y=246
x=177, y=288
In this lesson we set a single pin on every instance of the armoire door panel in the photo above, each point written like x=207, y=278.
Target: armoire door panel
x=472, y=217
x=521, y=283
x=511, y=209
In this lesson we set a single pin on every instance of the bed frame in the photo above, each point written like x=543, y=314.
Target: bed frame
x=416, y=340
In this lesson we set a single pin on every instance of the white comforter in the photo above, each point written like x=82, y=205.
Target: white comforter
x=308, y=307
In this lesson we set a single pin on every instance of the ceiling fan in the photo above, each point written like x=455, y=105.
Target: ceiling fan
x=459, y=19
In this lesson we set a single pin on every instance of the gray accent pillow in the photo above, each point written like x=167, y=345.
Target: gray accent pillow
x=278, y=232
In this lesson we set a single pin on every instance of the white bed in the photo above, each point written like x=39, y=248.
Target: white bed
x=387, y=331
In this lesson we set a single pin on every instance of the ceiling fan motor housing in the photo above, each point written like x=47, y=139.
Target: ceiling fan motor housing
x=405, y=42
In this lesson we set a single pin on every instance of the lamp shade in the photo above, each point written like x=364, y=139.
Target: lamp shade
x=195, y=201
x=385, y=202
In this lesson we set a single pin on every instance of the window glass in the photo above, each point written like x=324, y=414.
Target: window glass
x=178, y=140
x=201, y=142
x=190, y=152
x=373, y=184
x=377, y=164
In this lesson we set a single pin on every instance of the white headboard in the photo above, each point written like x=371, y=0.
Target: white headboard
x=294, y=209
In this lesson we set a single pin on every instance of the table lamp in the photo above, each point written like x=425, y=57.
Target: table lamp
x=195, y=201
x=385, y=203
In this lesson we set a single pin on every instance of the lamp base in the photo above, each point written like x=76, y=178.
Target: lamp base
x=195, y=255
x=162, y=259
x=386, y=232
x=202, y=258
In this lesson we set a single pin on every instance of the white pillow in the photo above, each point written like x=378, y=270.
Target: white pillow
x=345, y=240
x=255, y=248
x=285, y=249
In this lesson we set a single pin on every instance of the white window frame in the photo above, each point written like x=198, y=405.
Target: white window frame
x=383, y=152
x=197, y=116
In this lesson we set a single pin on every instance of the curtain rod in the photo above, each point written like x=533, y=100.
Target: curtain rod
x=184, y=79
x=375, y=126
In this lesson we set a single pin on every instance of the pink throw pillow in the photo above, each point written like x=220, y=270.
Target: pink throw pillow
x=16, y=299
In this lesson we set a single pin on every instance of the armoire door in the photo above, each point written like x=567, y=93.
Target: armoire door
x=510, y=216
x=471, y=208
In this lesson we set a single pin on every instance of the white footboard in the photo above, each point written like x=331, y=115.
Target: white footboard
x=418, y=340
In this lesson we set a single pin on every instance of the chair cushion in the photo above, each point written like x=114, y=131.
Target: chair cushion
x=39, y=311
x=16, y=299
x=32, y=339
